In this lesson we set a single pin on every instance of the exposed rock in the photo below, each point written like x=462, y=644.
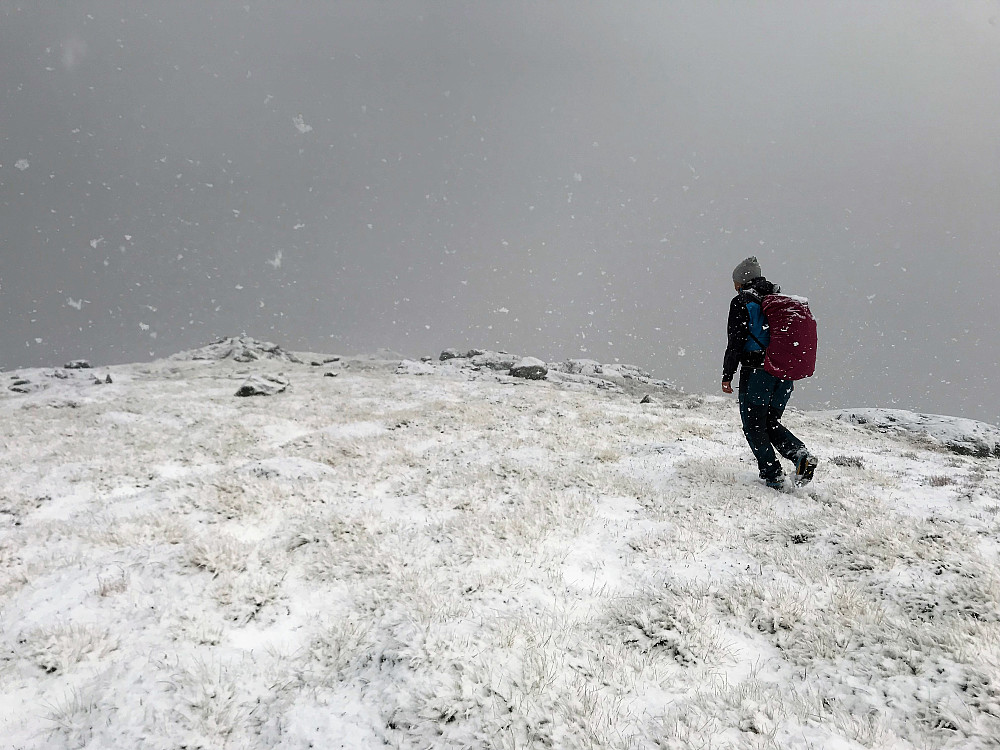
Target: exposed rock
x=456, y=354
x=41, y=380
x=571, y=373
x=25, y=386
x=530, y=369
x=647, y=399
x=262, y=385
x=588, y=367
x=410, y=367
x=77, y=364
x=500, y=361
x=239, y=349
x=966, y=437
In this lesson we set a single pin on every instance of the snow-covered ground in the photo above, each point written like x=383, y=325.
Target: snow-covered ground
x=439, y=555
x=958, y=435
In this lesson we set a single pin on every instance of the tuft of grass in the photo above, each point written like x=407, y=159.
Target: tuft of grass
x=73, y=718
x=941, y=480
x=608, y=456
x=58, y=648
x=218, y=555
x=115, y=583
x=851, y=462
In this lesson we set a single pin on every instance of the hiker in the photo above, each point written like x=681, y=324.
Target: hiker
x=762, y=395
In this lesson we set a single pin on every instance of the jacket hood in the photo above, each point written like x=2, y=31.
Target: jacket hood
x=760, y=288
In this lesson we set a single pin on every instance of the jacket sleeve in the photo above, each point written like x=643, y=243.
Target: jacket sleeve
x=737, y=330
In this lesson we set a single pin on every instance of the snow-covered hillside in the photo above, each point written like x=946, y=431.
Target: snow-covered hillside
x=436, y=554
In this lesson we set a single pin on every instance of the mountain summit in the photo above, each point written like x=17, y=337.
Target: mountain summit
x=439, y=553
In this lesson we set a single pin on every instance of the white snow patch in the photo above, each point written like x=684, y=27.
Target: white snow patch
x=439, y=561
x=954, y=433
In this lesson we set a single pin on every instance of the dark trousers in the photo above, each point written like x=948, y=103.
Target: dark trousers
x=763, y=398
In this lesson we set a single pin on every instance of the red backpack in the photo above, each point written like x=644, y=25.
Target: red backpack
x=791, y=352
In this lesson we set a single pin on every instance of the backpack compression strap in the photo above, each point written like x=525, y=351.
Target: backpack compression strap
x=750, y=334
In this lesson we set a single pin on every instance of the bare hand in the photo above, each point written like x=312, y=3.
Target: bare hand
x=727, y=386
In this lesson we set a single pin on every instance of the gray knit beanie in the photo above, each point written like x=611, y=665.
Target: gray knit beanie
x=746, y=271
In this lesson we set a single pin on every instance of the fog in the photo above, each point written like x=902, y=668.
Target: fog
x=559, y=179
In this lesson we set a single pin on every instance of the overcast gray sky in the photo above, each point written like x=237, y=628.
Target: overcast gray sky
x=559, y=179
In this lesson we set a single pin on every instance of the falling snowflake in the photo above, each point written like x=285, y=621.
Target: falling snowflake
x=300, y=124
x=22, y=164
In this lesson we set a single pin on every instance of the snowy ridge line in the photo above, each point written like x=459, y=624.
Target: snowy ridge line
x=476, y=560
x=248, y=350
x=623, y=377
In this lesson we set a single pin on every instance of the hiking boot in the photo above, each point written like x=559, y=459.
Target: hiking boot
x=778, y=483
x=805, y=467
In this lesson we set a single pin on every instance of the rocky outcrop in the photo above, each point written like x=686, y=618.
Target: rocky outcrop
x=262, y=385
x=579, y=373
x=479, y=359
x=22, y=385
x=966, y=437
x=529, y=368
x=33, y=381
x=411, y=367
x=456, y=354
x=238, y=349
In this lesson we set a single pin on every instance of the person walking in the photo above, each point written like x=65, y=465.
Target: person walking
x=762, y=396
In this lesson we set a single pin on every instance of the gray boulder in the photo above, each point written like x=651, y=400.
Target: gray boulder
x=530, y=369
x=24, y=386
x=262, y=385
x=495, y=361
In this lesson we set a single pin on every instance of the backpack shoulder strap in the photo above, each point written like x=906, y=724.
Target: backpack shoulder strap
x=748, y=299
x=750, y=333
